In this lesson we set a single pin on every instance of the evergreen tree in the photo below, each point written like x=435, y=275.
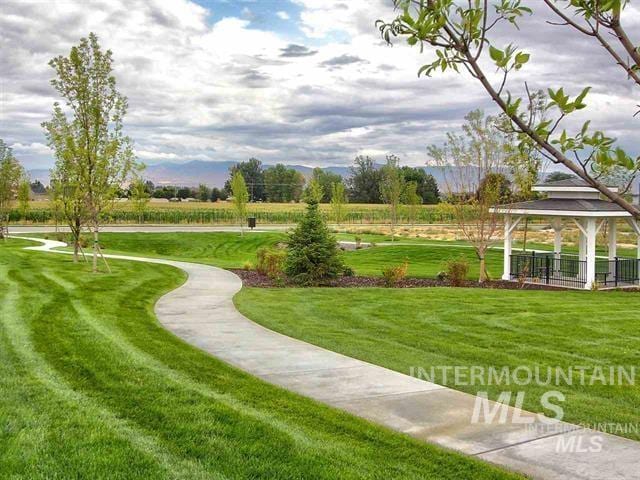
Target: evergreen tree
x=312, y=252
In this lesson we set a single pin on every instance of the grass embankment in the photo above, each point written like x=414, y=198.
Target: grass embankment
x=230, y=250
x=400, y=329
x=93, y=387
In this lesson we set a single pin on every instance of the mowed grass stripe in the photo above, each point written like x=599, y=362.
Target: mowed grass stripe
x=421, y=328
x=67, y=411
x=133, y=401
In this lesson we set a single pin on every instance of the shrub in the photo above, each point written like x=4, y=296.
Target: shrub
x=312, y=252
x=457, y=271
x=348, y=272
x=270, y=262
x=394, y=274
x=247, y=265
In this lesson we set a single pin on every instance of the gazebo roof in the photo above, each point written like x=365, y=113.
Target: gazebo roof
x=574, y=184
x=572, y=197
x=565, y=207
x=568, y=182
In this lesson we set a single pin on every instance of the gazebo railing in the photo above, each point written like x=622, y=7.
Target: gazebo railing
x=569, y=271
x=547, y=268
x=617, y=272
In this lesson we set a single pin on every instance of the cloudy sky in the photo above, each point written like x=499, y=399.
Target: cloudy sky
x=293, y=81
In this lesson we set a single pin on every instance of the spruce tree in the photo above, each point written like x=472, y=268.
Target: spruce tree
x=312, y=252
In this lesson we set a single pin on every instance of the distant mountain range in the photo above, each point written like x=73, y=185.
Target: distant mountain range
x=213, y=174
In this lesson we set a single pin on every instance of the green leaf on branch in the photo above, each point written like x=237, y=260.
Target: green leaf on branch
x=496, y=54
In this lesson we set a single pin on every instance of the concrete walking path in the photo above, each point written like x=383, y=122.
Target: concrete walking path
x=202, y=313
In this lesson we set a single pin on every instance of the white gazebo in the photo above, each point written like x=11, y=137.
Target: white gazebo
x=573, y=201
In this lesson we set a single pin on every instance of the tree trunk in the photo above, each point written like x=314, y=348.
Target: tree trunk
x=76, y=248
x=75, y=231
x=483, y=270
x=484, y=275
x=95, y=248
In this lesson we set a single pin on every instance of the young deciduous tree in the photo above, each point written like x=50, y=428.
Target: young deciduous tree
x=69, y=200
x=92, y=138
x=391, y=189
x=24, y=196
x=140, y=197
x=314, y=191
x=240, y=198
x=461, y=34
x=338, y=201
x=10, y=174
x=326, y=179
x=412, y=200
x=473, y=164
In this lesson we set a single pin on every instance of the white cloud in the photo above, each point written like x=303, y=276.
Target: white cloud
x=282, y=15
x=218, y=89
x=34, y=148
x=149, y=155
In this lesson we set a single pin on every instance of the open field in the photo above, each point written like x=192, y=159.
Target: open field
x=93, y=387
x=257, y=206
x=419, y=328
x=222, y=213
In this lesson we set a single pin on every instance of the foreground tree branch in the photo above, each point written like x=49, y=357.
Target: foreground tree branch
x=459, y=35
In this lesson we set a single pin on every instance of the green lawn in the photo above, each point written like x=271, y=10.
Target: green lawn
x=93, y=387
x=424, y=260
x=222, y=249
x=230, y=250
x=404, y=328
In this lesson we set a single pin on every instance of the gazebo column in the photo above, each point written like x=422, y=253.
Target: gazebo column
x=582, y=241
x=508, y=243
x=509, y=227
x=613, y=239
x=591, y=232
x=557, y=243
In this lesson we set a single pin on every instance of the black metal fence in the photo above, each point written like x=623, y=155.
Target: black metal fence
x=617, y=272
x=569, y=271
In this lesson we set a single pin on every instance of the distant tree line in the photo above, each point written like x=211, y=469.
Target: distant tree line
x=282, y=184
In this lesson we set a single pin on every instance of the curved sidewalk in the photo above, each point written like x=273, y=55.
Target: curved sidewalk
x=202, y=313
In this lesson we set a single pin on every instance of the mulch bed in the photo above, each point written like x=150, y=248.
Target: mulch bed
x=251, y=278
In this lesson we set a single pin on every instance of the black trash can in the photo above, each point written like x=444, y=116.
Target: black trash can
x=251, y=222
